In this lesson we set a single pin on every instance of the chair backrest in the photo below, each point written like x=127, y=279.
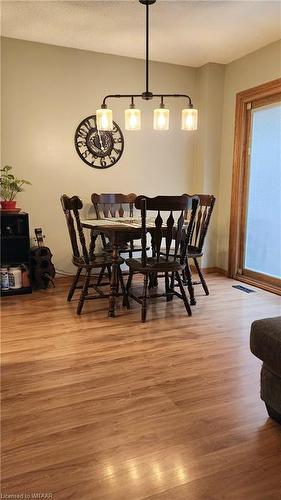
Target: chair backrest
x=170, y=229
x=71, y=207
x=113, y=205
x=202, y=220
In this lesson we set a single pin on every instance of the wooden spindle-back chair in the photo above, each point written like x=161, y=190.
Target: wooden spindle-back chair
x=116, y=205
x=83, y=258
x=164, y=230
x=113, y=204
x=199, y=233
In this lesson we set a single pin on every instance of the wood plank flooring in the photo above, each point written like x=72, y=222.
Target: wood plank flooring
x=113, y=409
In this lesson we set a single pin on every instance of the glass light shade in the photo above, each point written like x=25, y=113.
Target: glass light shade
x=104, y=119
x=161, y=119
x=189, y=119
x=132, y=119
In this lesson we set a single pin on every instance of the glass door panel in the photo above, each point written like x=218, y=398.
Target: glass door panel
x=262, y=245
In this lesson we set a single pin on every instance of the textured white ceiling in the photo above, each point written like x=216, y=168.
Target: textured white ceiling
x=182, y=32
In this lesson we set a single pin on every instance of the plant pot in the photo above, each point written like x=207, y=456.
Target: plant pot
x=8, y=205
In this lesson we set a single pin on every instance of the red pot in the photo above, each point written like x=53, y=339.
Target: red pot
x=8, y=205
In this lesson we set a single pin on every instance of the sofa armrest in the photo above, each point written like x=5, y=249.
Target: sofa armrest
x=265, y=342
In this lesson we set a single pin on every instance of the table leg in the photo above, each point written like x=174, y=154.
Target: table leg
x=113, y=281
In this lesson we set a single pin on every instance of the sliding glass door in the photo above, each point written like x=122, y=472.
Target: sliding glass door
x=255, y=221
x=262, y=236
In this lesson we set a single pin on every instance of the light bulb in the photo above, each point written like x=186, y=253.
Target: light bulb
x=132, y=119
x=189, y=119
x=161, y=119
x=104, y=119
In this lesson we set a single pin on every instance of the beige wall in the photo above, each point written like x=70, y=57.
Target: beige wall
x=47, y=91
x=254, y=69
x=210, y=83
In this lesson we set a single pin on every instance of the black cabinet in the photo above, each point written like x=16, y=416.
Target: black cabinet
x=15, y=244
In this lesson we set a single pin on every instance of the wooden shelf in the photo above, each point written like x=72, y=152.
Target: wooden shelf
x=16, y=291
x=15, y=247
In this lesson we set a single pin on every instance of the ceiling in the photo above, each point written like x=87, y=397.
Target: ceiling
x=187, y=32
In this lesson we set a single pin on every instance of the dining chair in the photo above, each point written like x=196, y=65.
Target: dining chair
x=83, y=258
x=198, y=235
x=168, y=231
x=115, y=205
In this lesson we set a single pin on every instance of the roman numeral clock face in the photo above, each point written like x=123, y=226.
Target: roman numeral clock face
x=98, y=148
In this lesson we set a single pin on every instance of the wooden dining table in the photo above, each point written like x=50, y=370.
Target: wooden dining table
x=119, y=231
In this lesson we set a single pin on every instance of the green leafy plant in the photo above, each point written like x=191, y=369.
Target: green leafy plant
x=10, y=185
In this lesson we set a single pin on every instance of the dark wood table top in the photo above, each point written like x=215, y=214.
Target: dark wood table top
x=117, y=230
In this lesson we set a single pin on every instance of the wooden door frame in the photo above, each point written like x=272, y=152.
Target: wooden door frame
x=264, y=94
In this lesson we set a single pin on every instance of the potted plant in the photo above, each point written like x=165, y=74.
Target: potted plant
x=9, y=187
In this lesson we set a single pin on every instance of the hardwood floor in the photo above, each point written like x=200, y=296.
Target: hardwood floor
x=97, y=408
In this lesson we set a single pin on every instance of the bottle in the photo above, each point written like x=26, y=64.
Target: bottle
x=25, y=276
x=15, y=278
x=4, y=278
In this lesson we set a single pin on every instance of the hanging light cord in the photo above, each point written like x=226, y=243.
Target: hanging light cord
x=147, y=48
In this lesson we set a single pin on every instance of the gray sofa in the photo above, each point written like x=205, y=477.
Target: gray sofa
x=265, y=343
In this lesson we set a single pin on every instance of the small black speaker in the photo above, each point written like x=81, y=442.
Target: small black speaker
x=42, y=270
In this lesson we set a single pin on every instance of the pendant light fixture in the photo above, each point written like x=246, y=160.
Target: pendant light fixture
x=189, y=116
x=161, y=117
x=132, y=117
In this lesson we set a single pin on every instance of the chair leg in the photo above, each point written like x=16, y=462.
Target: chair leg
x=109, y=272
x=201, y=277
x=189, y=284
x=84, y=291
x=129, y=281
x=118, y=282
x=167, y=287
x=183, y=294
x=126, y=302
x=144, y=298
x=101, y=275
x=172, y=285
x=184, y=277
x=74, y=284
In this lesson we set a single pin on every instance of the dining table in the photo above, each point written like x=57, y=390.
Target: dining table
x=119, y=231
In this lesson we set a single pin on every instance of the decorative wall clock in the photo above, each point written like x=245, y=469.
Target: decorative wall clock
x=98, y=148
